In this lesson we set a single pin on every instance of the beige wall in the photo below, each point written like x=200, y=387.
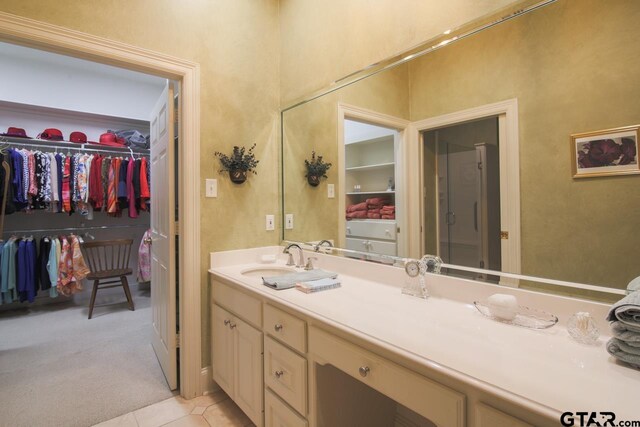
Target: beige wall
x=322, y=41
x=236, y=44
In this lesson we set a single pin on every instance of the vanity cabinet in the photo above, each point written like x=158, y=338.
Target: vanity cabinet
x=237, y=361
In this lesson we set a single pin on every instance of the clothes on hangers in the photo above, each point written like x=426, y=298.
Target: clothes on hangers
x=55, y=265
x=77, y=183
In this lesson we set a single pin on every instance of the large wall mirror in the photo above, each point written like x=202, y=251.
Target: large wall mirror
x=511, y=150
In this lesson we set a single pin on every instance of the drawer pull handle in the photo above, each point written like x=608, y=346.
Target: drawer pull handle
x=232, y=325
x=278, y=374
x=278, y=327
x=364, y=371
x=226, y=322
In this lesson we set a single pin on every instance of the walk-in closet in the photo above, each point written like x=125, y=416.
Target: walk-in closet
x=77, y=181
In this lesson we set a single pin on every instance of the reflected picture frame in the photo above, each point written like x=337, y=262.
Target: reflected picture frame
x=608, y=152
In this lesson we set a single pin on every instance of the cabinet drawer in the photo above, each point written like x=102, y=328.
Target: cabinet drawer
x=374, y=246
x=372, y=229
x=486, y=416
x=285, y=373
x=277, y=414
x=237, y=302
x=285, y=328
x=439, y=404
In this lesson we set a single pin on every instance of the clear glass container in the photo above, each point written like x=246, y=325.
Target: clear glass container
x=582, y=328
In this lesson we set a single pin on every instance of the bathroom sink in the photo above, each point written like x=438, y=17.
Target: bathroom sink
x=266, y=271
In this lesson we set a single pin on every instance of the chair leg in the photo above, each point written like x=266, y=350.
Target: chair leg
x=125, y=285
x=93, y=297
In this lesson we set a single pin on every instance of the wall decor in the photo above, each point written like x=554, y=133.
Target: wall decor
x=605, y=152
x=238, y=163
x=316, y=169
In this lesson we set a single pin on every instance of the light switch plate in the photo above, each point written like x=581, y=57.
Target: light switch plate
x=288, y=221
x=211, y=186
x=331, y=191
x=270, y=223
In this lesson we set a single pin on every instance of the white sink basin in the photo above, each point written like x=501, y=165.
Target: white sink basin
x=266, y=271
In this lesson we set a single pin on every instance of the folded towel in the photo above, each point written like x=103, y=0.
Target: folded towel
x=373, y=211
x=634, y=285
x=626, y=333
x=615, y=349
x=377, y=201
x=388, y=216
x=357, y=215
x=287, y=281
x=318, y=285
x=373, y=215
x=389, y=207
x=358, y=207
x=627, y=310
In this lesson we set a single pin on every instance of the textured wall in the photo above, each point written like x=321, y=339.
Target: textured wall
x=236, y=44
x=322, y=41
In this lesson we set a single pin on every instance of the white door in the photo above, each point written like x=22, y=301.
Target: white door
x=163, y=273
x=248, y=375
x=222, y=349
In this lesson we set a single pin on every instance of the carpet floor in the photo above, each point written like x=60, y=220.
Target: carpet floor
x=57, y=368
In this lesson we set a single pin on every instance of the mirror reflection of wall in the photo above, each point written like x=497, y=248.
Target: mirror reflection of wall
x=564, y=78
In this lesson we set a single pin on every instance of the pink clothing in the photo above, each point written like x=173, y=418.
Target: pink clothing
x=71, y=268
x=133, y=212
x=144, y=259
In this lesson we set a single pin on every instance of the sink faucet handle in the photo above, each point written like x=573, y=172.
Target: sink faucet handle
x=309, y=265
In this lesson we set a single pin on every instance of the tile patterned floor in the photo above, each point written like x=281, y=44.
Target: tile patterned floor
x=213, y=410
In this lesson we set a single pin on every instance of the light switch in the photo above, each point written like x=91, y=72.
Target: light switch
x=270, y=223
x=288, y=221
x=331, y=191
x=211, y=187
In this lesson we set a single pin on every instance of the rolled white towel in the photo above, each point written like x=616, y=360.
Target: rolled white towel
x=503, y=306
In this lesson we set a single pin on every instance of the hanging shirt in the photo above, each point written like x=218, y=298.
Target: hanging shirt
x=53, y=170
x=43, y=261
x=33, y=185
x=8, y=279
x=17, y=178
x=112, y=196
x=60, y=161
x=145, y=192
x=25, y=270
x=104, y=174
x=52, y=267
x=133, y=213
x=66, y=185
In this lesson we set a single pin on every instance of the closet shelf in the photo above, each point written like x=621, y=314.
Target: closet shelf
x=356, y=193
x=65, y=145
x=370, y=167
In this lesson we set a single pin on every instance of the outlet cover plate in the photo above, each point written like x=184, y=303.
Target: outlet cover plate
x=270, y=223
x=288, y=221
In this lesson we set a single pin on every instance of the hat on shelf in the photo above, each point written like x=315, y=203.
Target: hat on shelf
x=78, y=137
x=51, y=135
x=15, y=132
x=111, y=140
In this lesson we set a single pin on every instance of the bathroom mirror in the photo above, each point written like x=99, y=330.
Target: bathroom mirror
x=508, y=149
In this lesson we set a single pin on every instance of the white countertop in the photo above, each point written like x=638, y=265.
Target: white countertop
x=545, y=369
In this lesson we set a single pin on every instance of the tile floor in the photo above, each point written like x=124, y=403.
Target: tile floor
x=213, y=410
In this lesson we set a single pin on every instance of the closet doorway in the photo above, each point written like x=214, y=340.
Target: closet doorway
x=57, y=93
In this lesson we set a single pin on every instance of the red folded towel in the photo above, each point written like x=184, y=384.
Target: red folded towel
x=373, y=215
x=377, y=201
x=374, y=211
x=388, y=208
x=357, y=215
x=388, y=216
x=357, y=207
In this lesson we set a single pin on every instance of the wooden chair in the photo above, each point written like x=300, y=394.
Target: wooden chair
x=108, y=259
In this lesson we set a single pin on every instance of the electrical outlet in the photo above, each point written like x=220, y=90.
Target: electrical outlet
x=288, y=221
x=331, y=191
x=211, y=187
x=270, y=223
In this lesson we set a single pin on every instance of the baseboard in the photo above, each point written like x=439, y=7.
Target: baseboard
x=207, y=385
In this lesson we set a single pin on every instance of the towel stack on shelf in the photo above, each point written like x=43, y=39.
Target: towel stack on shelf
x=625, y=328
x=373, y=208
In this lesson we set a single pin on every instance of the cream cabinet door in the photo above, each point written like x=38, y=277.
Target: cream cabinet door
x=248, y=373
x=486, y=416
x=277, y=414
x=222, y=351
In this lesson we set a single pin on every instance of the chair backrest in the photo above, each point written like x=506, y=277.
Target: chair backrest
x=107, y=255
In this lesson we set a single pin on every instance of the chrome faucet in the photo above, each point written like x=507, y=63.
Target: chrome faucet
x=300, y=259
x=317, y=246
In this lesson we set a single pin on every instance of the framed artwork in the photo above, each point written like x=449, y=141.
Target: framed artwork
x=605, y=152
